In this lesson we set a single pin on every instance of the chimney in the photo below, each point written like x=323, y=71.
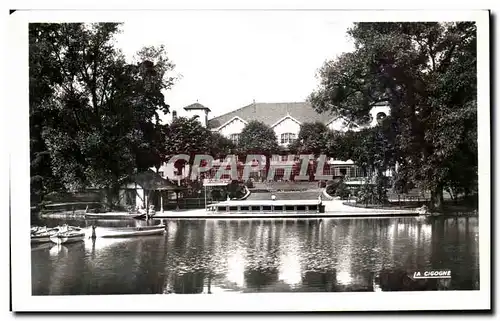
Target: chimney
x=174, y=114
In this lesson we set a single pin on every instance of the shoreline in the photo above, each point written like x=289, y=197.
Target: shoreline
x=470, y=212
x=333, y=209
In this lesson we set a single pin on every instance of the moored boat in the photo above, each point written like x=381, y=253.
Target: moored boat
x=67, y=237
x=112, y=215
x=42, y=237
x=132, y=231
x=43, y=234
x=157, y=231
x=142, y=216
x=277, y=207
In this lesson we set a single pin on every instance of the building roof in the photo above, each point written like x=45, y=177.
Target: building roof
x=270, y=113
x=196, y=106
x=152, y=181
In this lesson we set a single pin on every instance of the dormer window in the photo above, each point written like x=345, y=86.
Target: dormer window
x=235, y=138
x=288, y=138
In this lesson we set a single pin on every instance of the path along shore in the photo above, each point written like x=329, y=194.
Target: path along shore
x=333, y=208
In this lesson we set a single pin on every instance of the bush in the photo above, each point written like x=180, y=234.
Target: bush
x=342, y=191
x=336, y=186
x=236, y=190
x=216, y=194
x=372, y=194
x=249, y=183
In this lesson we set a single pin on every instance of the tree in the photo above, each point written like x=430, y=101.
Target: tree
x=220, y=146
x=426, y=73
x=258, y=138
x=43, y=77
x=187, y=136
x=312, y=139
x=100, y=112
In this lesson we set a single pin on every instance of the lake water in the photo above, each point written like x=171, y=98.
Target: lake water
x=211, y=256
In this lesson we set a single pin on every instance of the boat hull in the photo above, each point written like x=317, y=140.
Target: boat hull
x=133, y=233
x=124, y=216
x=67, y=238
x=40, y=239
x=289, y=215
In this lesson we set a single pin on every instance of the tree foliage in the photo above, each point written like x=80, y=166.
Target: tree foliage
x=312, y=139
x=258, y=138
x=187, y=136
x=220, y=146
x=93, y=114
x=426, y=73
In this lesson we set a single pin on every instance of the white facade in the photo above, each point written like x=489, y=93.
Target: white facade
x=234, y=126
x=137, y=193
x=291, y=126
x=287, y=130
x=167, y=170
x=201, y=114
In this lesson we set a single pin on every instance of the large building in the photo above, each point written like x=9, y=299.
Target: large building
x=285, y=119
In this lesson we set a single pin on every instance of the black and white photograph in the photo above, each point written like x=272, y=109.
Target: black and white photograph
x=250, y=160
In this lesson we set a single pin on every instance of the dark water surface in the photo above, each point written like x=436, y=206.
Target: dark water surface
x=211, y=256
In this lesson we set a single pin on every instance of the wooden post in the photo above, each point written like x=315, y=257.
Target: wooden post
x=146, y=205
x=161, y=201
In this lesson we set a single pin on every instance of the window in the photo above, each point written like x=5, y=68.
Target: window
x=288, y=138
x=235, y=138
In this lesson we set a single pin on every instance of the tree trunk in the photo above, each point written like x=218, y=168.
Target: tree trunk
x=268, y=165
x=437, y=199
x=380, y=187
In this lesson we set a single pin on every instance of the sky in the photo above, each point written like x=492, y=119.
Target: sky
x=226, y=60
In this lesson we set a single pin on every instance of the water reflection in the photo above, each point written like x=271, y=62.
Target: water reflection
x=198, y=256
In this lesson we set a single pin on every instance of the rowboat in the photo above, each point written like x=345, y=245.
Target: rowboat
x=43, y=234
x=142, y=216
x=67, y=237
x=134, y=231
x=116, y=215
x=42, y=237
